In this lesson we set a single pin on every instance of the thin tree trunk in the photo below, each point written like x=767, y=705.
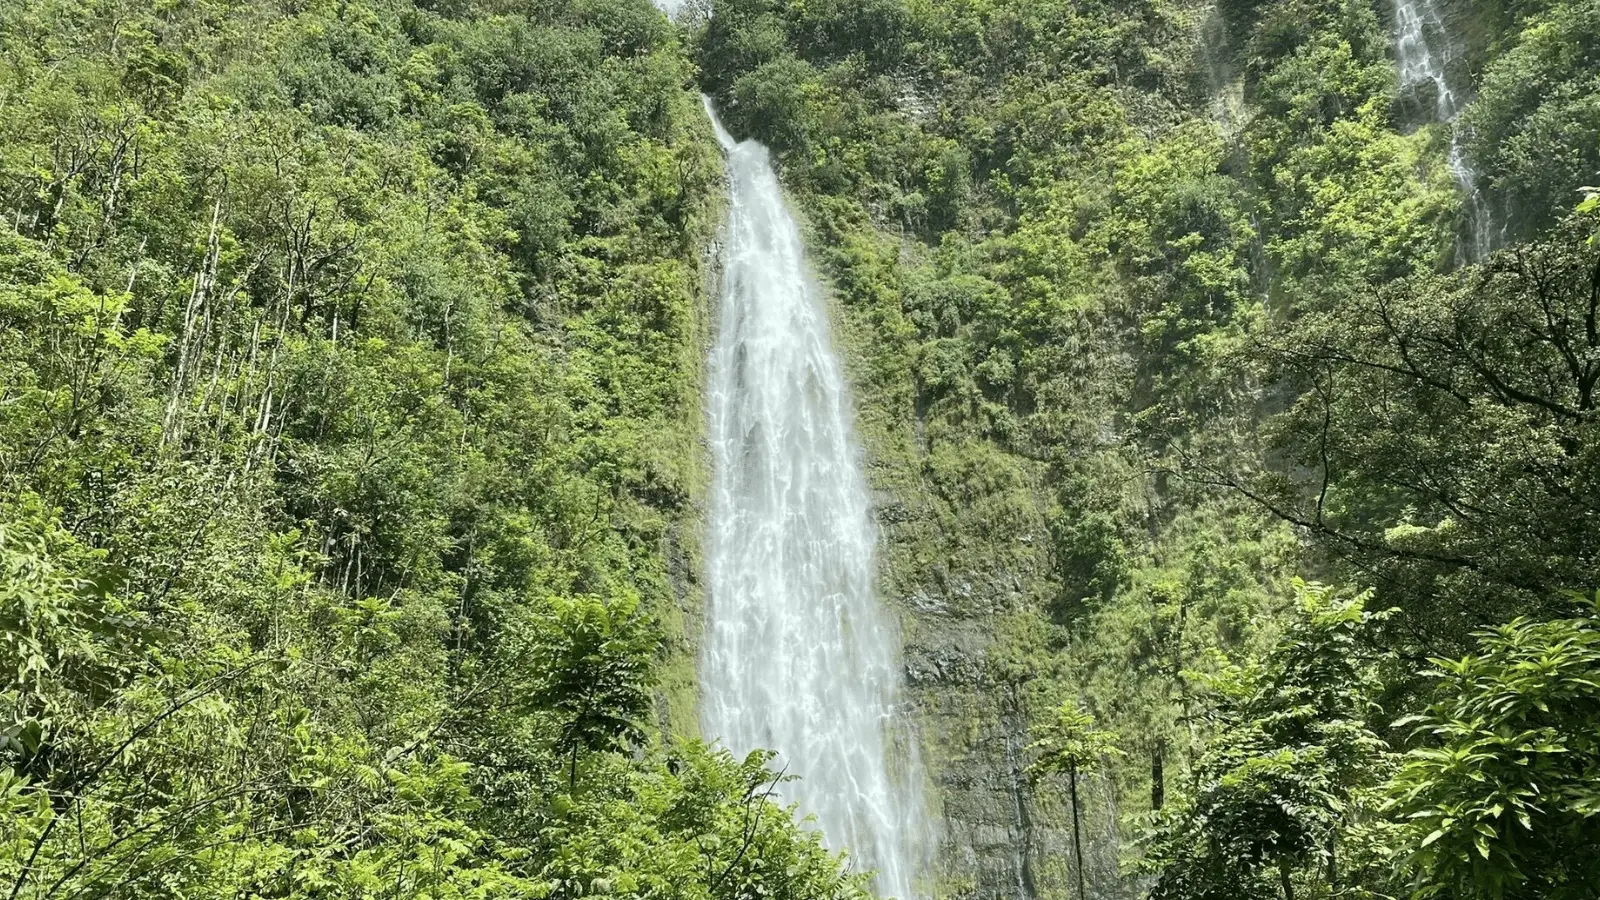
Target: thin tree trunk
x=1077, y=840
x=1283, y=879
x=1158, y=775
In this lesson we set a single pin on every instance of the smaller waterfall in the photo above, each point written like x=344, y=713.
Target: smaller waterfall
x=1422, y=54
x=1418, y=28
x=1224, y=85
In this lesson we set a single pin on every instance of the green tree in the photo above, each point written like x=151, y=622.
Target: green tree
x=1469, y=489
x=1501, y=795
x=599, y=658
x=1292, y=769
x=1069, y=744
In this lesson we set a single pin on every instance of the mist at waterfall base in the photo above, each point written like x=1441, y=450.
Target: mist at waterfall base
x=1422, y=55
x=799, y=655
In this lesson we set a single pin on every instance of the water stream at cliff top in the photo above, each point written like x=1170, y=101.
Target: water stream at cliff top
x=1422, y=54
x=800, y=657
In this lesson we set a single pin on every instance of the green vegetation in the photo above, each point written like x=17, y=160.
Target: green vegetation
x=349, y=370
x=1071, y=745
x=351, y=466
x=1503, y=800
x=1155, y=309
x=1285, y=792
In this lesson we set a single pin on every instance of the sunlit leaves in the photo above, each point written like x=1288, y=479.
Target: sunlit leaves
x=1293, y=765
x=1500, y=794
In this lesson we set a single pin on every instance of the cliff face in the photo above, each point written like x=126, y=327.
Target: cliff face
x=965, y=559
x=953, y=580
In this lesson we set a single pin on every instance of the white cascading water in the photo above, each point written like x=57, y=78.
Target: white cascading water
x=1421, y=53
x=799, y=656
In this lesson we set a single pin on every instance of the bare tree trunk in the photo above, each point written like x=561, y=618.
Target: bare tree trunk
x=1158, y=775
x=187, y=342
x=1077, y=840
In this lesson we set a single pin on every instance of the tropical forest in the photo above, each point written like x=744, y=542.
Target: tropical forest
x=799, y=449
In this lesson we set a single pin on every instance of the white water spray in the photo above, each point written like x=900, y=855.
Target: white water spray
x=1422, y=53
x=799, y=657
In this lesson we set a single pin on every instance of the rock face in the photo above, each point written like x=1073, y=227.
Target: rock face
x=974, y=742
x=1001, y=837
x=967, y=573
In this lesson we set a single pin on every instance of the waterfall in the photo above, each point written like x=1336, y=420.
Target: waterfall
x=1422, y=53
x=1418, y=28
x=799, y=655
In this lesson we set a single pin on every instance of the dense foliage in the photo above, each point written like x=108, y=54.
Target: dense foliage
x=1158, y=305
x=349, y=441
x=348, y=423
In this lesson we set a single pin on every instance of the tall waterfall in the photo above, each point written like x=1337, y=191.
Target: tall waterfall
x=799, y=655
x=1422, y=53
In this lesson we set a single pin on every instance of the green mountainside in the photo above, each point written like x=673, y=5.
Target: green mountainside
x=1155, y=308
x=1243, y=522
x=349, y=435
